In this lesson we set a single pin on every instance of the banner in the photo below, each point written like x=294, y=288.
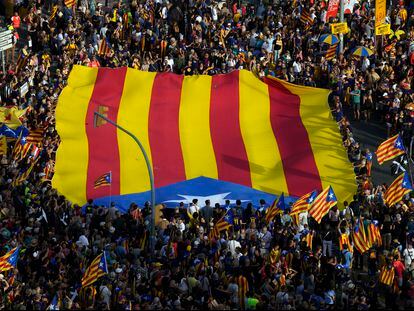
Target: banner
x=384, y=29
x=339, y=28
x=380, y=12
x=271, y=136
x=332, y=9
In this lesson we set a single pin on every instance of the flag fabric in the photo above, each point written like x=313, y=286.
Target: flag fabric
x=53, y=13
x=104, y=48
x=21, y=149
x=374, y=234
x=35, y=136
x=303, y=203
x=11, y=116
x=243, y=285
x=21, y=131
x=54, y=305
x=387, y=275
x=21, y=61
x=35, y=152
x=70, y=3
x=97, y=269
x=104, y=180
x=309, y=239
x=331, y=52
x=226, y=143
x=369, y=157
x=3, y=145
x=225, y=223
x=48, y=170
x=390, y=149
x=399, y=187
x=9, y=260
x=277, y=207
x=23, y=175
x=322, y=204
x=361, y=241
x=344, y=239
x=305, y=17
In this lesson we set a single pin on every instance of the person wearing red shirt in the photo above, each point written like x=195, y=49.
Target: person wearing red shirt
x=16, y=20
x=399, y=269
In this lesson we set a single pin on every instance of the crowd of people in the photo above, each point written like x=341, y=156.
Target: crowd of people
x=255, y=264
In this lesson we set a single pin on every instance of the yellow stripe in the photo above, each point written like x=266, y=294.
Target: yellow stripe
x=133, y=115
x=70, y=175
x=194, y=122
x=331, y=159
x=262, y=150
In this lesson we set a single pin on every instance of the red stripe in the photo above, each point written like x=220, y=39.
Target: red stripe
x=295, y=149
x=103, y=140
x=229, y=149
x=164, y=132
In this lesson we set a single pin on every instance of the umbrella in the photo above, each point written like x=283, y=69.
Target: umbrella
x=362, y=51
x=410, y=106
x=328, y=39
x=397, y=34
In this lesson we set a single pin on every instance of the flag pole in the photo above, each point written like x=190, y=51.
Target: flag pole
x=110, y=189
x=341, y=19
x=150, y=173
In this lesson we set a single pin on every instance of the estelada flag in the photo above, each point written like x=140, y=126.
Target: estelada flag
x=272, y=136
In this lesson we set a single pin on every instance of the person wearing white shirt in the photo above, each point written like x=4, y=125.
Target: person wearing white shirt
x=232, y=245
x=408, y=255
x=194, y=207
x=303, y=220
x=181, y=225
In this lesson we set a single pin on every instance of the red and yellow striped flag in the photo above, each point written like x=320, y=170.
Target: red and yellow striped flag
x=399, y=187
x=374, y=235
x=361, y=242
x=97, y=269
x=70, y=3
x=387, y=276
x=303, y=203
x=309, y=239
x=35, y=136
x=322, y=204
x=344, y=239
x=104, y=48
x=331, y=52
x=389, y=149
x=231, y=140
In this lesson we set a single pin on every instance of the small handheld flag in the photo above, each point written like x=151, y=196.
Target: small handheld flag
x=400, y=187
x=97, y=269
x=360, y=239
x=387, y=276
x=303, y=203
x=223, y=224
x=3, y=145
x=390, y=149
x=276, y=208
x=322, y=204
x=331, y=52
x=104, y=180
x=9, y=260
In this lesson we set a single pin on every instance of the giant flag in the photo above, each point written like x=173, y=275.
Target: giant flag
x=271, y=136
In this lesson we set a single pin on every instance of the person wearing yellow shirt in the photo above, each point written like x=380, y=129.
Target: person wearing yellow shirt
x=402, y=13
